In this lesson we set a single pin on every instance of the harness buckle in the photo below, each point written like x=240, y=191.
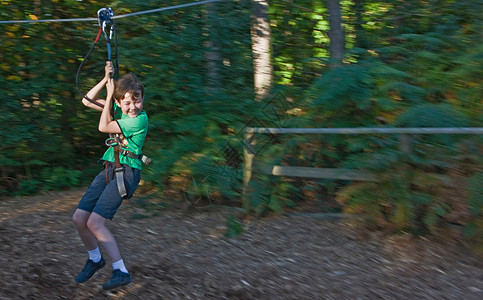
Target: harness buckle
x=146, y=160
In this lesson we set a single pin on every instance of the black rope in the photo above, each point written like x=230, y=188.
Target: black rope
x=116, y=64
x=78, y=73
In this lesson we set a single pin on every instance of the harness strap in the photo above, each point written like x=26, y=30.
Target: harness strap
x=114, y=142
x=119, y=174
x=146, y=160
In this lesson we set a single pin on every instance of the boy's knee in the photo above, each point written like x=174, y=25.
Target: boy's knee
x=79, y=219
x=94, y=223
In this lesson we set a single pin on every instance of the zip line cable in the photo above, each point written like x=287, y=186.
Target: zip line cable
x=114, y=17
x=49, y=21
x=165, y=8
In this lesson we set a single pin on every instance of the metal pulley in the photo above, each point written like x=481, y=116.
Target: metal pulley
x=104, y=17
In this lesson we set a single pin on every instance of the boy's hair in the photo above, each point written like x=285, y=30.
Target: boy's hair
x=128, y=83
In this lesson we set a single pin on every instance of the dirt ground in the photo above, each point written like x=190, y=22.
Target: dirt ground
x=183, y=254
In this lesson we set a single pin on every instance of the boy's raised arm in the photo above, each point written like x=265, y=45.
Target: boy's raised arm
x=94, y=92
x=106, y=124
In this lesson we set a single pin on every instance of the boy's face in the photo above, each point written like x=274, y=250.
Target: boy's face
x=131, y=107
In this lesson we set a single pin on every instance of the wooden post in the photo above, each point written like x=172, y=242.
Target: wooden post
x=248, y=155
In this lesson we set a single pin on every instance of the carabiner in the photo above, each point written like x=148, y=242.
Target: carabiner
x=110, y=142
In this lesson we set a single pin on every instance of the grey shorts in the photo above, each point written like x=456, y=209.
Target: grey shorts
x=102, y=195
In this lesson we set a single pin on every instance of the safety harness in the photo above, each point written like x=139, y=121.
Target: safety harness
x=104, y=16
x=115, y=141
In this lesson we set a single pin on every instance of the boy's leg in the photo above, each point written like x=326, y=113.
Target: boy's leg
x=105, y=208
x=85, y=207
x=95, y=224
x=80, y=218
x=120, y=276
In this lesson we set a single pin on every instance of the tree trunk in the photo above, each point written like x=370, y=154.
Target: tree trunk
x=336, y=34
x=260, y=33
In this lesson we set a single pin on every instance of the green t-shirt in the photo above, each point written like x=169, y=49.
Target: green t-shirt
x=134, y=132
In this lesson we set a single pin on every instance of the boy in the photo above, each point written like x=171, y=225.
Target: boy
x=113, y=184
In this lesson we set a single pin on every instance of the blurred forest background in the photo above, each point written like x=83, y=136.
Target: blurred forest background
x=212, y=70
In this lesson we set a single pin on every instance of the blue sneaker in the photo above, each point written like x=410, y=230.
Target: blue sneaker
x=118, y=278
x=89, y=269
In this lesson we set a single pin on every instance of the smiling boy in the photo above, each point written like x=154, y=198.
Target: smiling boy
x=120, y=177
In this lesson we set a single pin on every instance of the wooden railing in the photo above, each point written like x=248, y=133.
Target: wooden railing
x=405, y=141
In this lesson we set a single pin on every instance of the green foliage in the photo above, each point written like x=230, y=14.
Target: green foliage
x=474, y=228
x=432, y=115
x=58, y=177
x=406, y=196
x=269, y=194
x=406, y=71
x=233, y=227
x=29, y=187
x=411, y=188
x=475, y=183
x=408, y=64
x=258, y=196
